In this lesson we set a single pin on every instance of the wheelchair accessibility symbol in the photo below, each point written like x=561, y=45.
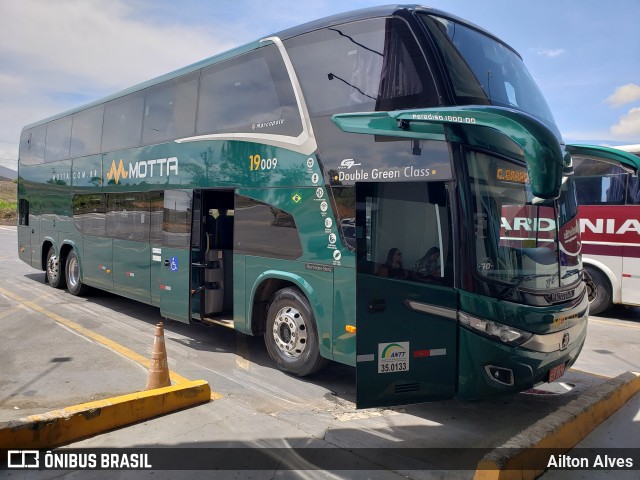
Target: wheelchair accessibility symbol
x=174, y=264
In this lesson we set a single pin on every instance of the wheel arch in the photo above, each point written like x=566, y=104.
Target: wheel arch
x=614, y=282
x=47, y=243
x=66, y=247
x=263, y=289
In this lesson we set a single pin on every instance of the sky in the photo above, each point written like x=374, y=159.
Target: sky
x=59, y=54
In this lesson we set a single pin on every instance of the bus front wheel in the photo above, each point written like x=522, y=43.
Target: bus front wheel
x=602, y=300
x=291, y=335
x=54, y=269
x=74, y=284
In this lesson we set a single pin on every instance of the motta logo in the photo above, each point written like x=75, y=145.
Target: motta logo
x=159, y=167
x=117, y=173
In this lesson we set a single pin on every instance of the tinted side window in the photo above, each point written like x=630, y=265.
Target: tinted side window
x=598, y=182
x=176, y=222
x=170, y=110
x=265, y=231
x=156, y=205
x=58, y=140
x=23, y=212
x=128, y=216
x=86, y=132
x=32, y=145
x=385, y=210
x=89, y=213
x=369, y=65
x=123, y=122
x=344, y=199
x=250, y=93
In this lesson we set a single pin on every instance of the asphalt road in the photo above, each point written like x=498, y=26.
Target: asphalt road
x=61, y=350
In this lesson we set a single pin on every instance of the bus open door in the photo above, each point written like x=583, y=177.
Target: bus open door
x=407, y=320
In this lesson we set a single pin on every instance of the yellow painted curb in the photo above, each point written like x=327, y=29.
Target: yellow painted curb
x=560, y=431
x=61, y=427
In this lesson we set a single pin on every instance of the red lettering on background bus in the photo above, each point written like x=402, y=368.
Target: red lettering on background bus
x=610, y=224
x=527, y=226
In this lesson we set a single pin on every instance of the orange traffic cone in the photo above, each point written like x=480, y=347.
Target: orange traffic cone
x=159, y=368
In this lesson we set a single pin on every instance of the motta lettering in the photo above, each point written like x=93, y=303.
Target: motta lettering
x=610, y=226
x=158, y=167
x=76, y=175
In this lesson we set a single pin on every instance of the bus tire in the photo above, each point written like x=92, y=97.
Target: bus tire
x=54, y=269
x=72, y=271
x=602, y=300
x=291, y=335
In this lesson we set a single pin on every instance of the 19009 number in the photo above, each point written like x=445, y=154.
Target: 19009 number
x=258, y=163
x=393, y=367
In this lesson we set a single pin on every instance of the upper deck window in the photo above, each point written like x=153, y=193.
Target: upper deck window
x=369, y=65
x=123, y=122
x=250, y=93
x=32, y=145
x=599, y=182
x=170, y=110
x=87, y=132
x=484, y=71
x=58, y=140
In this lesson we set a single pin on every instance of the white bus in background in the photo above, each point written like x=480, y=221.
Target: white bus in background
x=609, y=197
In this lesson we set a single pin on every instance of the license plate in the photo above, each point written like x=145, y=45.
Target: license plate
x=556, y=372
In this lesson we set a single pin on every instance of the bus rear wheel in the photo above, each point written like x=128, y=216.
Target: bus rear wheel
x=602, y=300
x=74, y=284
x=291, y=334
x=54, y=269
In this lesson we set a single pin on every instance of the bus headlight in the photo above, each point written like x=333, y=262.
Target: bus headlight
x=496, y=331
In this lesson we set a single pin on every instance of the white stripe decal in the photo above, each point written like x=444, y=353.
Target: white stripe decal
x=365, y=358
x=610, y=244
x=437, y=352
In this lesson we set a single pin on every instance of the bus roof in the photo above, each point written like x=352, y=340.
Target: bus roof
x=611, y=153
x=355, y=15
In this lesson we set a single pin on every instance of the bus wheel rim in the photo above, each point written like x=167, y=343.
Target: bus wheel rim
x=290, y=332
x=53, y=267
x=74, y=272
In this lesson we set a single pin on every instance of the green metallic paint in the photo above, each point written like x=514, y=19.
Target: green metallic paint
x=131, y=277
x=540, y=146
x=175, y=283
x=316, y=286
x=476, y=352
x=538, y=320
x=344, y=313
x=203, y=164
x=429, y=376
x=241, y=313
x=97, y=260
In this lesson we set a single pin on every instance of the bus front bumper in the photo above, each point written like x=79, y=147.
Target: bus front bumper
x=488, y=368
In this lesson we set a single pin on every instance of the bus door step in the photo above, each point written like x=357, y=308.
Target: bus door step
x=225, y=322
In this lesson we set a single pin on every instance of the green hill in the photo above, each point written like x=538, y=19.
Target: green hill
x=8, y=202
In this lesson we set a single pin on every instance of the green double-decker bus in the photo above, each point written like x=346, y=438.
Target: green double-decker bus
x=384, y=188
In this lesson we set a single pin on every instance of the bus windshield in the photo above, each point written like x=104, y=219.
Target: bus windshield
x=484, y=71
x=520, y=242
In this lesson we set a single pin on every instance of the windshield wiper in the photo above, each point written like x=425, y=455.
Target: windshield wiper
x=524, y=278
